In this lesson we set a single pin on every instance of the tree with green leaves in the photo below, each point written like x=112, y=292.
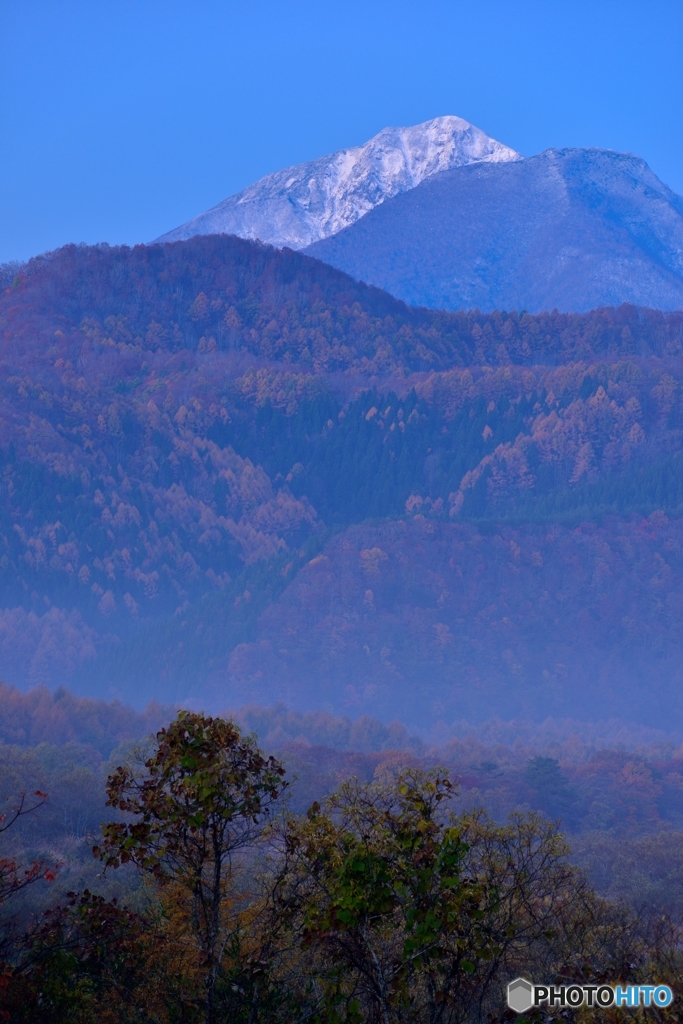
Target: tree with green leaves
x=385, y=909
x=545, y=778
x=202, y=795
x=402, y=911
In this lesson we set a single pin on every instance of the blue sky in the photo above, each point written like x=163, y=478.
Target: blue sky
x=120, y=120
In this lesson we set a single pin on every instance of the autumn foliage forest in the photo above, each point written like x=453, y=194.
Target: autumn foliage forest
x=440, y=554
x=232, y=474
x=354, y=884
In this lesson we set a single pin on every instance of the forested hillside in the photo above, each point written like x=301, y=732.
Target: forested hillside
x=232, y=473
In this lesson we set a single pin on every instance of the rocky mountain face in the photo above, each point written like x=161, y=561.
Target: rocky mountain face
x=301, y=205
x=569, y=229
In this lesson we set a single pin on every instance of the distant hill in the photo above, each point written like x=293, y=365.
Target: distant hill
x=434, y=621
x=570, y=229
x=231, y=473
x=299, y=205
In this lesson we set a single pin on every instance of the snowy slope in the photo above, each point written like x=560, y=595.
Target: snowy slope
x=303, y=204
x=570, y=229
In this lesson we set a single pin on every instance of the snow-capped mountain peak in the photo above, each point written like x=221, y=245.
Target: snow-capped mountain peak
x=303, y=204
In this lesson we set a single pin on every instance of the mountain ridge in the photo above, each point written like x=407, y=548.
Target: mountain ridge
x=571, y=229
x=213, y=446
x=305, y=202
